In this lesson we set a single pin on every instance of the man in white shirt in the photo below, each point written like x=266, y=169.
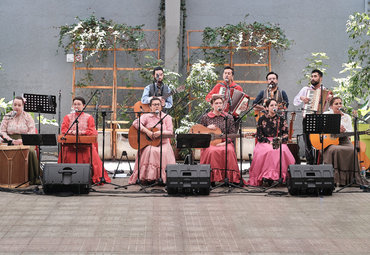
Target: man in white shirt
x=301, y=97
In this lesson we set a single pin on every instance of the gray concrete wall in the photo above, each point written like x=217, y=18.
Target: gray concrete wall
x=29, y=40
x=29, y=36
x=314, y=25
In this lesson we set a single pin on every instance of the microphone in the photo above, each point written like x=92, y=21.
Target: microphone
x=270, y=86
x=13, y=114
x=219, y=109
x=141, y=108
x=227, y=81
x=157, y=112
x=275, y=110
x=157, y=77
x=341, y=109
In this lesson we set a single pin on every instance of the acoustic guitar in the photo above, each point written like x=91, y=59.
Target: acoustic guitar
x=331, y=139
x=139, y=106
x=144, y=139
x=216, y=135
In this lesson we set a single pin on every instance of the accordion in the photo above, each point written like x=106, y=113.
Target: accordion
x=315, y=103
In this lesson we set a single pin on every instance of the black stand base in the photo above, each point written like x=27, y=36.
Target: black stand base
x=354, y=182
x=138, y=182
x=280, y=181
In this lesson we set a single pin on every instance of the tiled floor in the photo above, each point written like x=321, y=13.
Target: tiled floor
x=119, y=221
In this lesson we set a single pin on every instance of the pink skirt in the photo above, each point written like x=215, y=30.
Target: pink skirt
x=150, y=164
x=266, y=163
x=215, y=156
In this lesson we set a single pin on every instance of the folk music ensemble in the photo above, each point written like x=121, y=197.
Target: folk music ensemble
x=272, y=134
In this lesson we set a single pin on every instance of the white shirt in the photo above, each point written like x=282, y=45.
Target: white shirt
x=345, y=121
x=303, y=92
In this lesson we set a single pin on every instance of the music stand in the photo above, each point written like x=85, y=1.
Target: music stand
x=38, y=140
x=40, y=104
x=190, y=141
x=322, y=124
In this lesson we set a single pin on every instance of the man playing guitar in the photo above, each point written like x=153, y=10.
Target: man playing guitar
x=157, y=89
x=272, y=91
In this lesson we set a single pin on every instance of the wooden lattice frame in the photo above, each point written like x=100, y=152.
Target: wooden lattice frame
x=114, y=86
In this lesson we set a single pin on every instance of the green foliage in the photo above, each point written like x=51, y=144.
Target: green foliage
x=355, y=87
x=316, y=62
x=254, y=34
x=95, y=35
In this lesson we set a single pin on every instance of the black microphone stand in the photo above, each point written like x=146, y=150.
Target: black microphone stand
x=281, y=180
x=76, y=122
x=355, y=156
x=160, y=180
x=226, y=180
x=102, y=178
x=241, y=182
x=59, y=116
x=138, y=180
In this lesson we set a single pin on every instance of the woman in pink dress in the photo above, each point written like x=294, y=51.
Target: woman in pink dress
x=265, y=166
x=21, y=123
x=215, y=155
x=86, y=126
x=150, y=155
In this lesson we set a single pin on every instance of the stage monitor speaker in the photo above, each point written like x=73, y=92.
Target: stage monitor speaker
x=74, y=178
x=310, y=179
x=188, y=179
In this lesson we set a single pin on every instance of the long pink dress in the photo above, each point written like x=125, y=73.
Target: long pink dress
x=86, y=126
x=150, y=155
x=215, y=155
x=266, y=160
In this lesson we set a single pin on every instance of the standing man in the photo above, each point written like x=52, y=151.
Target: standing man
x=272, y=91
x=301, y=97
x=226, y=88
x=157, y=89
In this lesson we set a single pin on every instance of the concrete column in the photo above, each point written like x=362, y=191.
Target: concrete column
x=172, y=12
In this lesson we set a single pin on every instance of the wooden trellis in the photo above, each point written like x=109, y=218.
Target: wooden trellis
x=231, y=60
x=114, y=88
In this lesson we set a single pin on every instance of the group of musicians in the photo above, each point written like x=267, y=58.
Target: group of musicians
x=271, y=155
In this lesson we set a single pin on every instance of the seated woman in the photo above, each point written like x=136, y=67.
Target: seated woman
x=150, y=155
x=341, y=155
x=265, y=166
x=86, y=126
x=22, y=123
x=215, y=155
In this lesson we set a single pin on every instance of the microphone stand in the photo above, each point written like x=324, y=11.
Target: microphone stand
x=96, y=111
x=226, y=180
x=160, y=180
x=241, y=182
x=59, y=116
x=355, y=156
x=138, y=180
x=281, y=180
x=76, y=122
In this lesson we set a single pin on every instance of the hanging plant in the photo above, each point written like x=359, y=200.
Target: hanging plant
x=95, y=35
x=255, y=35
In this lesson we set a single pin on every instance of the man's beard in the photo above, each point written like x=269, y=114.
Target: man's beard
x=272, y=85
x=314, y=82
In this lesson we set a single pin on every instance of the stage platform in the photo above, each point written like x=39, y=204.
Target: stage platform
x=110, y=221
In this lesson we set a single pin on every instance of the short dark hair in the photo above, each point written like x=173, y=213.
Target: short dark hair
x=154, y=99
x=80, y=99
x=229, y=67
x=277, y=77
x=157, y=68
x=268, y=102
x=317, y=71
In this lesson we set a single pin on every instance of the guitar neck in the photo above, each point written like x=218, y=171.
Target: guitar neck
x=351, y=133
